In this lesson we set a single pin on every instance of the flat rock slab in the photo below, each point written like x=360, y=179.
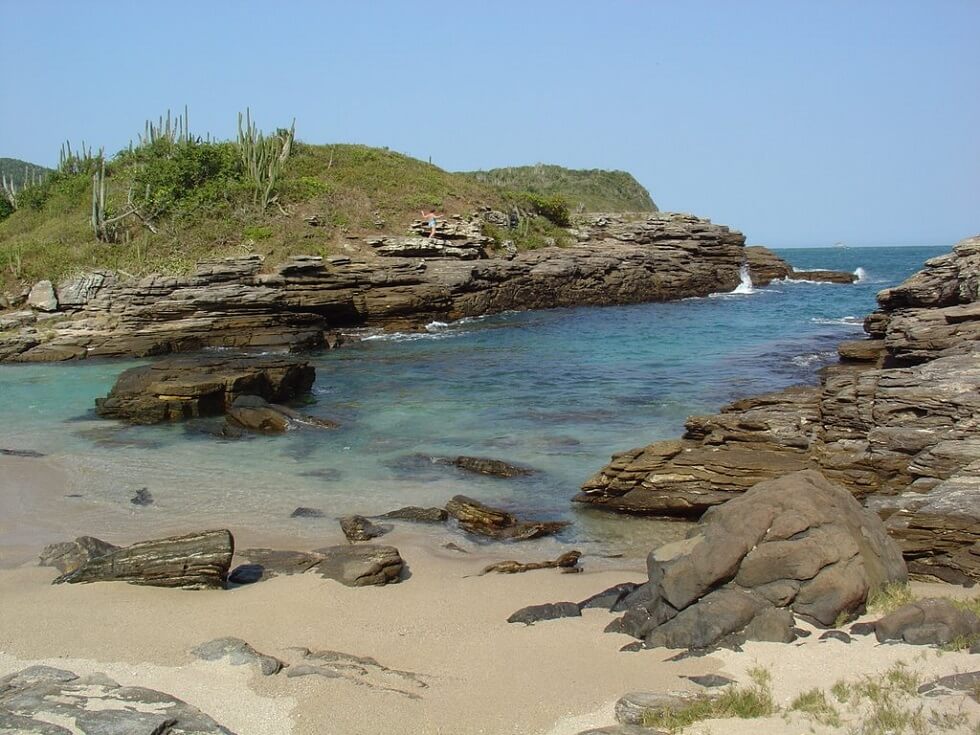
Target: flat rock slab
x=417, y=514
x=492, y=467
x=181, y=388
x=34, y=698
x=193, y=561
x=361, y=670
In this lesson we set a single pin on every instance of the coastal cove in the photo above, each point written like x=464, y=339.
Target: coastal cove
x=556, y=390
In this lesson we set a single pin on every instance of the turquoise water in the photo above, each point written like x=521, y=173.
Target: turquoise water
x=555, y=390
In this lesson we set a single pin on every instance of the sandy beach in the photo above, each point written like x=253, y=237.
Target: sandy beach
x=471, y=671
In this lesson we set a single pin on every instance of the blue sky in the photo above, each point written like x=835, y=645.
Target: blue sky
x=799, y=123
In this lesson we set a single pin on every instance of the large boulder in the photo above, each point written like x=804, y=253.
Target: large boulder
x=799, y=542
x=193, y=561
x=42, y=297
x=180, y=388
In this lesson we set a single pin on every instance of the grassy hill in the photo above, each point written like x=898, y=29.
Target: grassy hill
x=21, y=171
x=174, y=199
x=591, y=190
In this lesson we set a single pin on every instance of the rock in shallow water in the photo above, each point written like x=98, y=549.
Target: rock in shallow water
x=359, y=528
x=483, y=520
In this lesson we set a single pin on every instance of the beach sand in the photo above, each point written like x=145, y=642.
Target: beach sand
x=481, y=674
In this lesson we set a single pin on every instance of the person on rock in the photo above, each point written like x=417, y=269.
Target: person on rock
x=431, y=219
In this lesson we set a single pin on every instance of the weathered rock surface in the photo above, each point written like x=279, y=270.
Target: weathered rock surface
x=929, y=622
x=306, y=301
x=897, y=423
x=567, y=562
x=493, y=467
x=418, y=515
x=238, y=653
x=42, y=297
x=68, y=556
x=361, y=670
x=193, y=561
x=33, y=699
x=799, y=544
x=359, y=528
x=181, y=388
x=355, y=566
x=634, y=707
x=548, y=611
x=483, y=520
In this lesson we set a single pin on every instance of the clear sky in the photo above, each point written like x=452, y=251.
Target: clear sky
x=800, y=123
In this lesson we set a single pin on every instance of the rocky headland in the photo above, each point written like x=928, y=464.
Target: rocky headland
x=896, y=423
x=392, y=283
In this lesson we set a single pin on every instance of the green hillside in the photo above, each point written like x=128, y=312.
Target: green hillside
x=21, y=171
x=173, y=199
x=590, y=190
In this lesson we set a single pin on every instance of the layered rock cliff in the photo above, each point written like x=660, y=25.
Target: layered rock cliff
x=305, y=301
x=897, y=423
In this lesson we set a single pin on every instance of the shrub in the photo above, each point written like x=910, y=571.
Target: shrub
x=553, y=208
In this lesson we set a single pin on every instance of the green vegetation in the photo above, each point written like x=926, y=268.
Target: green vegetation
x=584, y=190
x=886, y=599
x=21, y=172
x=814, y=704
x=735, y=701
x=174, y=198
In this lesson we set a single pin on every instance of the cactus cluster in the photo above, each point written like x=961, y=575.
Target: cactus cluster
x=9, y=188
x=263, y=157
x=173, y=129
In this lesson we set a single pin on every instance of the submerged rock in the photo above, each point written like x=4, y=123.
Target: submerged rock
x=493, y=467
x=483, y=520
x=418, y=515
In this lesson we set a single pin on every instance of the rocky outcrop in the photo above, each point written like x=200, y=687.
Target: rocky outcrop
x=306, y=300
x=765, y=267
x=181, y=388
x=896, y=423
x=194, y=561
x=456, y=237
x=33, y=699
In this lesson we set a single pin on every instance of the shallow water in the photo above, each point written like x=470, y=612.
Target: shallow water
x=556, y=390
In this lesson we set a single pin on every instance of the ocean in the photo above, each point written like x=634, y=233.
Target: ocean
x=558, y=391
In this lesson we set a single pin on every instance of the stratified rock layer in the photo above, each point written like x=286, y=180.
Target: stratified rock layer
x=229, y=303
x=897, y=423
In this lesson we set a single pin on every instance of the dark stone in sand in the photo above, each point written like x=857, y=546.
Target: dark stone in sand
x=862, y=629
x=493, y=467
x=238, y=653
x=20, y=453
x=928, y=622
x=455, y=547
x=549, y=611
x=608, y=598
x=360, y=566
x=968, y=681
x=246, y=574
x=419, y=515
x=193, y=561
x=359, y=528
x=142, y=497
x=711, y=680
x=327, y=474
x=483, y=520
x=837, y=635
x=302, y=512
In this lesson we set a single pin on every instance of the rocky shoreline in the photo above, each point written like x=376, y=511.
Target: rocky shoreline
x=896, y=423
x=308, y=302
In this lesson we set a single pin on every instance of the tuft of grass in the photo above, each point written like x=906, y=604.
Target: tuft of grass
x=971, y=605
x=885, y=702
x=814, y=703
x=891, y=596
x=735, y=701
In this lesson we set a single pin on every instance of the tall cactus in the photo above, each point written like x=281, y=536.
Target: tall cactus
x=263, y=157
x=173, y=129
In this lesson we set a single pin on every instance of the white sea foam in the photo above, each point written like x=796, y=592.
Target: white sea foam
x=861, y=274
x=435, y=326
x=813, y=358
x=849, y=321
x=744, y=288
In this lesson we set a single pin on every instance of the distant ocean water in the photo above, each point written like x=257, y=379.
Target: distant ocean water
x=557, y=390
